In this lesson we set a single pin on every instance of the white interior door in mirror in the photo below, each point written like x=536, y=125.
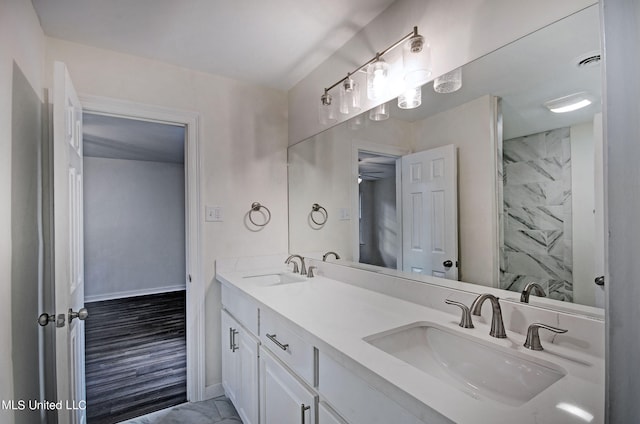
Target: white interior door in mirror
x=68, y=245
x=430, y=212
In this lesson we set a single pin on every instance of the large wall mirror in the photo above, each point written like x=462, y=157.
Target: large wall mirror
x=484, y=185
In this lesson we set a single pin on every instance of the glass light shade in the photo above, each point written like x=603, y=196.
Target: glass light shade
x=377, y=79
x=380, y=112
x=410, y=99
x=327, y=111
x=449, y=82
x=416, y=60
x=349, y=97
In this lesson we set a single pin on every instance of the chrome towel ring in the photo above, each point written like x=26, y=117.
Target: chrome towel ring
x=255, y=207
x=323, y=213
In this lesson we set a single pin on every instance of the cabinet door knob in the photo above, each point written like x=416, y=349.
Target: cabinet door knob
x=447, y=264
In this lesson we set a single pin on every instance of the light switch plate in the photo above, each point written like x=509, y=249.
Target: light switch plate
x=344, y=214
x=213, y=214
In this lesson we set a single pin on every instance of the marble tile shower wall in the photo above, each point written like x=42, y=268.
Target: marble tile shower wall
x=536, y=233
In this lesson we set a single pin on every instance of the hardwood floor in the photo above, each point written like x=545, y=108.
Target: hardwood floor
x=135, y=356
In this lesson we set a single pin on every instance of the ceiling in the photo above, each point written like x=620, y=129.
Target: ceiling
x=114, y=137
x=272, y=43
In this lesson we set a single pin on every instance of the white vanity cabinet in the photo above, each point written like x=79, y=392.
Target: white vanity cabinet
x=284, y=398
x=240, y=368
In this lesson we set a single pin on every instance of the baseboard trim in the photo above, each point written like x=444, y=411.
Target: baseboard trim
x=133, y=293
x=213, y=391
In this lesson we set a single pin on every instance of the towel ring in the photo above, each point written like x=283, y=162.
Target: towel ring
x=255, y=207
x=323, y=212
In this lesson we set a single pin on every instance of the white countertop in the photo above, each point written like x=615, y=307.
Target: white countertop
x=337, y=316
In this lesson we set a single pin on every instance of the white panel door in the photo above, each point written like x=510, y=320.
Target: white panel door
x=430, y=212
x=68, y=248
x=284, y=398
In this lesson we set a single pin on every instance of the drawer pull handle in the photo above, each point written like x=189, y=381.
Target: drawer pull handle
x=272, y=337
x=303, y=408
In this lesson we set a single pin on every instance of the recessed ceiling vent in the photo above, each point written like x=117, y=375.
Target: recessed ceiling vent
x=588, y=60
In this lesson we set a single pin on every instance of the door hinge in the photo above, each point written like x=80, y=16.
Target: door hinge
x=189, y=277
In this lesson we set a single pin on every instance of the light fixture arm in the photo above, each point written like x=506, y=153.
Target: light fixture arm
x=376, y=58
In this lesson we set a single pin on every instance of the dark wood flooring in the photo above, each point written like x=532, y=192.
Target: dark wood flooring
x=136, y=359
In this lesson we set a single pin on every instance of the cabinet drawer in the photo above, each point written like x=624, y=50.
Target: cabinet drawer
x=241, y=307
x=282, y=339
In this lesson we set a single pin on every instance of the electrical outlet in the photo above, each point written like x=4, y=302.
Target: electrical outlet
x=213, y=214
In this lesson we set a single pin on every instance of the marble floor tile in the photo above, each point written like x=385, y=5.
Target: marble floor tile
x=219, y=410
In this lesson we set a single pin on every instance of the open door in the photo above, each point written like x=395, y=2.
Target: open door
x=430, y=212
x=68, y=248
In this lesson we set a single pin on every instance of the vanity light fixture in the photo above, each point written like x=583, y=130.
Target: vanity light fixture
x=380, y=112
x=327, y=112
x=411, y=98
x=417, y=66
x=569, y=103
x=449, y=82
x=377, y=78
x=349, y=96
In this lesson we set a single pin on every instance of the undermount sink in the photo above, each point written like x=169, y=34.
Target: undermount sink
x=276, y=278
x=476, y=368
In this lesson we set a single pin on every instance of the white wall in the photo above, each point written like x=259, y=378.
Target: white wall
x=134, y=227
x=243, y=137
x=320, y=171
x=458, y=31
x=22, y=41
x=582, y=211
x=470, y=128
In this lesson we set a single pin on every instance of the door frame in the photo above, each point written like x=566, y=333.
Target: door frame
x=195, y=291
x=382, y=150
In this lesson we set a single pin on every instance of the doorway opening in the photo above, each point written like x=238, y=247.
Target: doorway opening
x=135, y=266
x=380, y=230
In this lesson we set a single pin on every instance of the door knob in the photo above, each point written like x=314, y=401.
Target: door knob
x=599, y=280
x=447, y=264
x=82, y=314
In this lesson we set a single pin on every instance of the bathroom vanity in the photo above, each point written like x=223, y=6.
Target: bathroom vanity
x=360, y=347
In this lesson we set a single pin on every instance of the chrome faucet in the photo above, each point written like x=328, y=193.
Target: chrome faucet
x=533, y=338
x=324, y=257
x=303, y=268
x=497, y=326
x=534, y=288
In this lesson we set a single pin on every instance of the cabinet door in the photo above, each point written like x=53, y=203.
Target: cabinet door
x=230, y=359
x=285, y=399
x=327, y=416
x=247, y=353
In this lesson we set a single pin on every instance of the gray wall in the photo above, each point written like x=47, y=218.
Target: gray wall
x=622, y=137
x=26, y=127
x=379, y=226
x=134, y=227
